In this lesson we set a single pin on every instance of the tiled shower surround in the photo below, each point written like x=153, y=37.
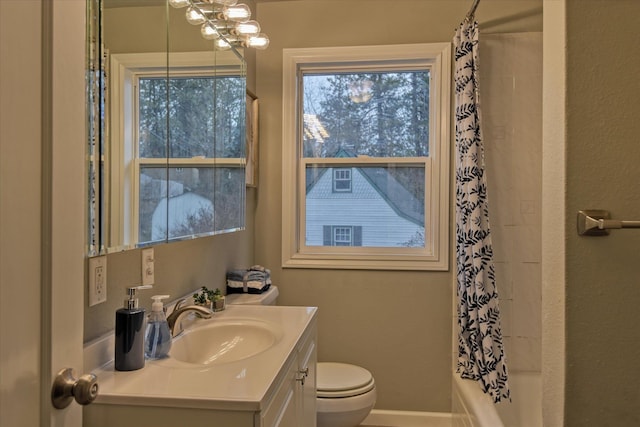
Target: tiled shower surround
x=511, y=107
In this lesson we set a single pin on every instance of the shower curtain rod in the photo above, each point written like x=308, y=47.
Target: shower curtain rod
x=472, y=11
x=506, y=19
x=598, y=222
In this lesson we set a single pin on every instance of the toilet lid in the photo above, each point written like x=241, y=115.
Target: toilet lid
x=342, y=380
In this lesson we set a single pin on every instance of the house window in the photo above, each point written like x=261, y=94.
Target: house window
x=342, y=180
x=342, y=235
x=366, y=142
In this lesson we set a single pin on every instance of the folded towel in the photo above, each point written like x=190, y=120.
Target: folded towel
x=252, y=287
x=255, y=280
x=245, y=275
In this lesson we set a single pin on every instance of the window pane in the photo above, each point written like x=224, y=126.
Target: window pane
x=386, y=206
x=152, y=117
x=206, y=117
x=188, y=209
x=190, y=203
x=377, y=114
x=229, y=198
x=153, y=191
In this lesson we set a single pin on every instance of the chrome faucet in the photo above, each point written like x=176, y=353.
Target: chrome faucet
x=173, y=320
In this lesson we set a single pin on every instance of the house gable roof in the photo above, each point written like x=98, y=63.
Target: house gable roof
x=390, y=189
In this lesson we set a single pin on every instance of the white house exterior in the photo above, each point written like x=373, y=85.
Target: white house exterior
x=174, y=212
x=359, y=212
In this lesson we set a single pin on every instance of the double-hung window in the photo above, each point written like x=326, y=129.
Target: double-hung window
x=342, y=180
x=365, y=157
x=177, y=148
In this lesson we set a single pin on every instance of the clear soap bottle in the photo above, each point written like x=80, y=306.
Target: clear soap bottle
x=157, y=336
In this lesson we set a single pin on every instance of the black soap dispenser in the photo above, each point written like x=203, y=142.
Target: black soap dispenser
x=130, y=325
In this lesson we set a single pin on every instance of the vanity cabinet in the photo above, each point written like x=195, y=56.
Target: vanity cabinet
x=209, y=398
x=294, y=402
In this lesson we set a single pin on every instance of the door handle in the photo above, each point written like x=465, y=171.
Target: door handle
x=66, y=388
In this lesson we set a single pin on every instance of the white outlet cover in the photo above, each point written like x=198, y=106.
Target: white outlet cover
x=97, y=280
x=148, y=269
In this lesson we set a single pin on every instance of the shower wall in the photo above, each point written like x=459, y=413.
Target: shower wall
x=511, y=107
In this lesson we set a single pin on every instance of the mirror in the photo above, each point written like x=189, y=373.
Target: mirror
x=166, y=114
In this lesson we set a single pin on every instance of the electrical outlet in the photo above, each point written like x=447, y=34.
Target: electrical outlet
x=97, y=280
x=147, y=266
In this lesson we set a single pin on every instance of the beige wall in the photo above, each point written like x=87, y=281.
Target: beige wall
x=603, y=155
x=21, y=204
x=397, y=324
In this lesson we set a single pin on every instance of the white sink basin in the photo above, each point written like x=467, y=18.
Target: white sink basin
x=222, y=341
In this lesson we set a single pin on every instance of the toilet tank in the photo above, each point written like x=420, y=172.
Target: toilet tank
x=268, y=297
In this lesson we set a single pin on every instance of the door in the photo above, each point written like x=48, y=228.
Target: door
x=42, y=208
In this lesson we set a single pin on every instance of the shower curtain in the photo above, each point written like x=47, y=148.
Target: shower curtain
x=480, y=349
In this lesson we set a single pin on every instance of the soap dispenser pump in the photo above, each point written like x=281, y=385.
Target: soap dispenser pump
x=158, y=336
x=129, y=334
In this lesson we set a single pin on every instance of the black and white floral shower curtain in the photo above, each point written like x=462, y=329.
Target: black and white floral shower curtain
x=480, y=348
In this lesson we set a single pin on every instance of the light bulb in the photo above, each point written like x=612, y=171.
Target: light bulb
x=195, y=16
x=260, y=41
x=222, y=44
x=249, y=28
x=224, y=2
x=179, y=3
x=237, y=13
x=209, y=31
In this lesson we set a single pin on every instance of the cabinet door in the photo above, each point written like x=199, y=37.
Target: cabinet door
x=307, y=359
x=282, y=411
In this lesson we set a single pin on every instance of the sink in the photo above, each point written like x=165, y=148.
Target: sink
x=223, y=341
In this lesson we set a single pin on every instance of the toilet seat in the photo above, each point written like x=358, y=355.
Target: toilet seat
x=340, y=380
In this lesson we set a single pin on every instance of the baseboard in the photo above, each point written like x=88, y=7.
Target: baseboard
x=380, y=417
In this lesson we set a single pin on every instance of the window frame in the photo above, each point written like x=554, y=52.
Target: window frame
x=435, y=256
x=122, y=173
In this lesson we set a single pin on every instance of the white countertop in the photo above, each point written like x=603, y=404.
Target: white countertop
x=239, y=385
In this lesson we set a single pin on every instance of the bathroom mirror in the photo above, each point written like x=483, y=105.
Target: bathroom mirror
x=166, y=125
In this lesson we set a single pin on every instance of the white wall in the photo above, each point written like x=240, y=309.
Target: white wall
x=511, y=102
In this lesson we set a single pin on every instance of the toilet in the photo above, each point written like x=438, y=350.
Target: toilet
x=345, y=393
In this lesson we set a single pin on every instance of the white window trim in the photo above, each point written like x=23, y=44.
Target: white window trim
x=436, y=257
x=121, y=182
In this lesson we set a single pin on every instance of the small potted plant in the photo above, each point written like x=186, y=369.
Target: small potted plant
x=211, y=298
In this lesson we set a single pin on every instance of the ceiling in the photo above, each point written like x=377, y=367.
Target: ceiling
x=137, y=3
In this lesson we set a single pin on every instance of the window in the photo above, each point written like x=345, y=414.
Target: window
x=194, y=172
x=342, y=180
x=342, y=235
x=176, y=148
x=366, y=143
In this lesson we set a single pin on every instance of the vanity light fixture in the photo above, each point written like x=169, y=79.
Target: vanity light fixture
x=227, y=22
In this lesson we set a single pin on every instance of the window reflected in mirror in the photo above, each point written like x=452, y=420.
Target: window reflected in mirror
x=166, y=114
